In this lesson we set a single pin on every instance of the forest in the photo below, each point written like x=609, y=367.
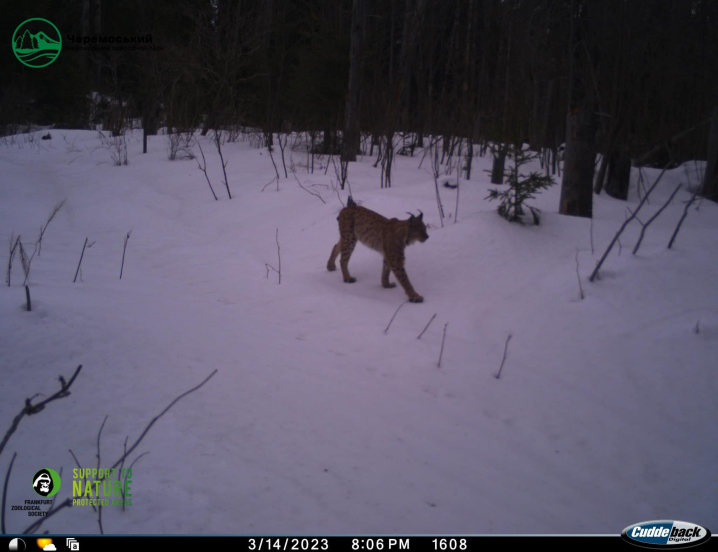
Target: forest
x=634, y=81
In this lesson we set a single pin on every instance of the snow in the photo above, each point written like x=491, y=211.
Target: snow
x=318, y=422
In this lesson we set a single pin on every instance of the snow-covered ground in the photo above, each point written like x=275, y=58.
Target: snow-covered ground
x=319, y=422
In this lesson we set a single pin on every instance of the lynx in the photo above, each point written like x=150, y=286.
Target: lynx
x=387, y=236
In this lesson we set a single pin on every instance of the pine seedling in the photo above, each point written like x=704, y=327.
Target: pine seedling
x=521, y=188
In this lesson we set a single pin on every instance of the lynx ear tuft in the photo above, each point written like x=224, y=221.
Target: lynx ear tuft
x=421, y=215
x=411, y=217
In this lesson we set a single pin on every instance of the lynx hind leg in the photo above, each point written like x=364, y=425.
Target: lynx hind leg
x=385, y=276
x=347, y=247
x=401, y=276
x=331, y=264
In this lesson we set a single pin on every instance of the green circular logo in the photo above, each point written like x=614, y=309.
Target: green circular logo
x=46, y=482
x=36, y=42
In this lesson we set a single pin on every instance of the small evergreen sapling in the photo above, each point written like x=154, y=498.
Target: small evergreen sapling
x=521, y=188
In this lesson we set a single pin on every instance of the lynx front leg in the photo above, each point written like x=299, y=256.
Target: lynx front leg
x=347, y=248
x=401, y=276
x=385, y=276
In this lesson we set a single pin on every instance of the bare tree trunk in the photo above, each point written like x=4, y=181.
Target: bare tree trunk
x=619, y=174
x=709, y=189
x=350, y=141
x=581, y=125
x=269, y=122
x=579, y=162
x=611, y=147
x=547, y=111
x=85, y=30
x=535, y=132
x=497, y=170
x=413, y=18
x=97, y=28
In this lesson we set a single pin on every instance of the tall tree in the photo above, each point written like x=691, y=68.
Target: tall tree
x=580, y=154
x=350, y=142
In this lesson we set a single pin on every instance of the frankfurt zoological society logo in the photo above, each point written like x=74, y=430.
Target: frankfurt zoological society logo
x=36, y=42
x=46, y=482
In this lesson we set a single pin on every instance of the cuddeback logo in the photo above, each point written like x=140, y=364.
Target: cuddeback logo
x=665, y=534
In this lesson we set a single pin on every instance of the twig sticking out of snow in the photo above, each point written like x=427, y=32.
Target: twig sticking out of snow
x=127, y=238
x=13, y=249
x=82, y=478
x=442, y=346
x=30, y=409
x=4, y=495
x=650, y=220
x=49, y=220
x=268, y=266
x=392, y=318
x=204, y=170
x=78, y=264
x=218, y=144
x=427, y=326
x=99, y=505
x=305, y=189
x=506, y=348
x=623, y=226
x=127, y=452
x=683, y=217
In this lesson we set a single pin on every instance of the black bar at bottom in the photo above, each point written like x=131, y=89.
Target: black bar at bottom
x=314, y=543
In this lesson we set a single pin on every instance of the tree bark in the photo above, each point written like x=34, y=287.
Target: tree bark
x=85, y=31
x=619, y=174
x=350, y=141
x=580, y=155
x=97, y=27
x=497, y=170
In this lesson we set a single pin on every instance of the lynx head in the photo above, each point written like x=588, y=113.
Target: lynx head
x=417, y=229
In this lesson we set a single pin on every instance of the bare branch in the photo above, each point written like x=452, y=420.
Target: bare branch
x=683, y=216
x=152, y=422
x=78, y=264
x=82, y=471
x=30, y=409
x=305, y=189
x=427, y=326
x=204, y=170
x=127, y=238
x=4, y=494
x=268, y=266
x=129, y=470
x=442, y=346
x=650, y=220
x=623, y=226
x=506, y=348
x=392, y=318
x=646, y=156
x=218, y=145
x=13, y=249
x=49, y=220
x=33, y=527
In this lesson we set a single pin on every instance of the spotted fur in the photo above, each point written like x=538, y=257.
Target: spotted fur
x=387, y=236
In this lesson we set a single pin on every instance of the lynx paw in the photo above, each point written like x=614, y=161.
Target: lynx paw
x=331, y=267
x=416, y=299
x=350, y=280
x=389, y=286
